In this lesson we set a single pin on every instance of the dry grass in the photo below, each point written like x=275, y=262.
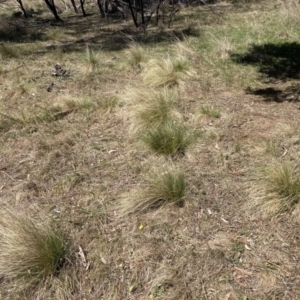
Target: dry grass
x=154, y=225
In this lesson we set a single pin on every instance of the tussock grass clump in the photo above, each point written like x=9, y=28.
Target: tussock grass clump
x=55, y=34
x=91, y=59
x=136, y=55
x=285, y=184
x=281, y=190
x=185, y=50
x=27, y=251
x=210, y=111
x=170, y=72
x=169, y=138
x=161, y=189
x=151, y=108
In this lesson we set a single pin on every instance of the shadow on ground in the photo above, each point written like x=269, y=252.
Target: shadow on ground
x=110, y=35
x=278, y=64
x=290, y=93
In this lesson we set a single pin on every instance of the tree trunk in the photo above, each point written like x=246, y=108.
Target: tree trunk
x=101, y=8
x=74, y=6
x=52, y=7
x=82, y=8
x=22, y=8
x=133, y=14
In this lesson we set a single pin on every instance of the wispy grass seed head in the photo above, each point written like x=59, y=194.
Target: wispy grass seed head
x=136, y=55
x=152, y=108
x=92, y=60
x=170, y=72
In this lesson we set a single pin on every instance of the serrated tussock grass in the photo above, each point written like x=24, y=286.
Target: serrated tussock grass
x=272, y=148
x=160, y=189
x=185, y=49
x=55, y=34
x=79, y=104
x=136, y=55
x=169, y=138
x=280, y=191
x=92, y=60
x=171, y=72
x=29, y=252
x=210, y=111
x=151, y=108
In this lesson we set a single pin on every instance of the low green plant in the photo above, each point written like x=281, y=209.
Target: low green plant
x=161, y=189
x=210, y=111
x=29, y=251
x=168, y=138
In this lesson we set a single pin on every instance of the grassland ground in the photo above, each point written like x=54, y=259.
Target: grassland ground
x=72, y=150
